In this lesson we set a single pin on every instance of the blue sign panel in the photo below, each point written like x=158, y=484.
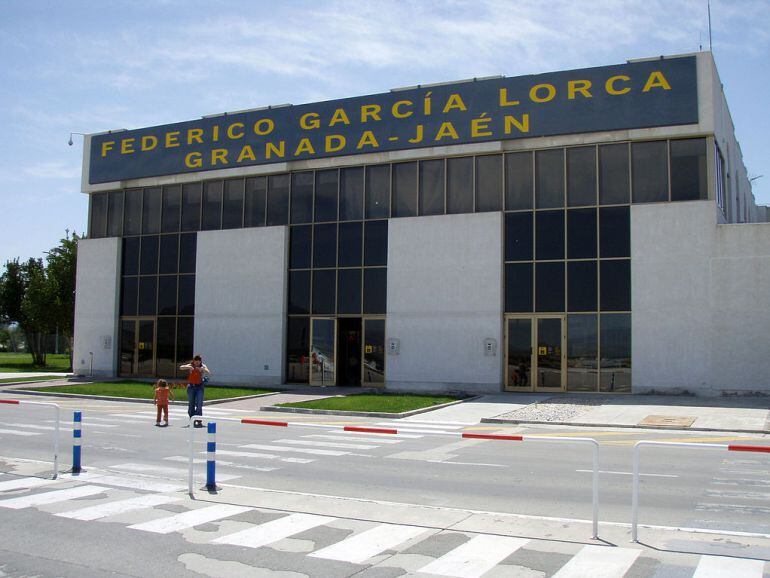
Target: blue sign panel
x=635, y=95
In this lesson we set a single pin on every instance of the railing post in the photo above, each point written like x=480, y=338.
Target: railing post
x=595, y=448
x=635, y=495
x=56, y=443
x=211, y=464
x=77, y=435
x=191, y=460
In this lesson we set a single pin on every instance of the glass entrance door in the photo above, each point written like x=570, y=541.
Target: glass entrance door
x=137, y=347
x=323, y=339
x=535, y=353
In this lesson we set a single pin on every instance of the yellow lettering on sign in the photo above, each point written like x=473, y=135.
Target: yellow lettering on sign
x=395, y=110
x=310, y=120
x=193, y=160
x=656, y=80
x=247, y=153
x=339, y=116
x=369, y=139
x=231, y=134
x=172, y=139
x=504, y=98
x=446, y=129
x=511, y=122
x=215, y=133
x=581, y=86
x=264, y=126
x=454, y=101
x=127, y=146
x=304, y=146
x=609, y=86
x=218, y=156
x=271, y=149
x=334, y=143
x=195, y=135
x=418, y=135
x=550, y=92
x=480, y=126
x=370, y=111
x=107, y=145
x=149, y=142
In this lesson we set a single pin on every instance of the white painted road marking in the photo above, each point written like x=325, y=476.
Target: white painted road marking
x=297, y=450
x=599, y=562
x=475, y=557
x=720, y=566
x=134, y=483
x=360, y=547
x=369, y=436
x=120, y=507
x=257, y=455
x=381, y=440
x=15, y=432
x=190, y=519
x=343, y=446
x=422, y=426
x=627, y=473
x=25, y=483
x=274, y=530
x=148, y=469
x=51, y=497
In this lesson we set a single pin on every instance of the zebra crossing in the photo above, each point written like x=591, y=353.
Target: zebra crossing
x=457, y=554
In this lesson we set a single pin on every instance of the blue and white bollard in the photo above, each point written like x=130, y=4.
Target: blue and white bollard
x=77, y=434
x=211, y=464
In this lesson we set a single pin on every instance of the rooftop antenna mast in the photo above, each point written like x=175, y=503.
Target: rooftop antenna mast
x=708, y=4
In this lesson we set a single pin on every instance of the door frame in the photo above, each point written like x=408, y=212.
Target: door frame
x=534, y=384
x=333, y=381
x=135, y=361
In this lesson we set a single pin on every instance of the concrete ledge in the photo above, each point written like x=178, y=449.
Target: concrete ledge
x=133, y=399
x=618, y=425
x=380, y=414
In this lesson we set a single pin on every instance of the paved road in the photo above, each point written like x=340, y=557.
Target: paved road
x=313, y=500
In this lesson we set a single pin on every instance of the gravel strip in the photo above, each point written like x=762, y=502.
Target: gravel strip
x=555, y=409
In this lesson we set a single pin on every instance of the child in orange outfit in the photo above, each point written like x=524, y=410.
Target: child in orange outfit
x=162, y=394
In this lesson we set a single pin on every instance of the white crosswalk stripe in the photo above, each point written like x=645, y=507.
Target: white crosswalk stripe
x=381, y=440
x=475, y=557
x=422, y=426
x=326, y=444
x=439, y=422
x=119, y=507
x=25, y=484
x=720, y=566
x=223, y=463
x=296, y=450
x=177, y=473
x=190, y=519
x=261, y=456
x=370, y=436
x=360, y=547
x=274, y=530
x=134, y=483
x=414, y=430
x=51, y=497
x=15, y=432
x=599, y=562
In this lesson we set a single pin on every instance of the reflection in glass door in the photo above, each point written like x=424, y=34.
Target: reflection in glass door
x=534, y=353
x=550, y=373
x=374, y=352
x=137, y=347
x=519, y=355
x=323, y=337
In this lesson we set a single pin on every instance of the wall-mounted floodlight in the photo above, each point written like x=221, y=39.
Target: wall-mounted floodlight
x=69, y=142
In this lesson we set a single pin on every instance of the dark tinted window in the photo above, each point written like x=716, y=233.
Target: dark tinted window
x=187, y=248
x=187, y=295
x=325, y=245
x=549, y=287
x=302, y=197
x=172, y=205
x=581, y=176
x=404, y=189
x=212, y=206
x=300, y=242
x=130, y=256
x=518, y=288
x=549, y=228
x=132, y=212
x=688, y=169
x=351, y=194
x=191, y=207
x=169, y=253
x=299, y=292
x=148, y=264
x=98, y=227
x=376, y=243
x=165, y=346
x=167, y=295
x=581, y=234
x=377, y=191
x=581, y=286
x=350, y=244
x=277, y=199
x=459, y=186
x=185, y=328
x=615, y=347
x=375, y=291
x=549, y=178
x=232, y=205
x=151, y=211
x=349, y=291
x=650, y=171
x=518, y=236
x=324, y=291
x=115, y=214
x=489, y=183
x=129, y=295
x=326, y=184
x=613, y=174
x=432, y=187
x=614, y=232
x=148, y=293
x=518, y=181
x=615, y=287
x=582, y=352
x=297, y=345
x=254, y=209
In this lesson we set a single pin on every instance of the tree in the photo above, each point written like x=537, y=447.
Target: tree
x=61, y=270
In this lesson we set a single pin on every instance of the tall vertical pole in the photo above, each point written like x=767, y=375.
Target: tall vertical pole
x=709, y=11
x=77, y=435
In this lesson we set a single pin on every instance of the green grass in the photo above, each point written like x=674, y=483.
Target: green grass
x=26, y=379
x=387, y=403
x=15, y=362
x=144, y=390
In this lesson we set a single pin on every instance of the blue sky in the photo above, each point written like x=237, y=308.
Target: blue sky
x=91, y=66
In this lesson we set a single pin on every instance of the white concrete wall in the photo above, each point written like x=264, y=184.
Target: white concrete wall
x=700, y=301
x=97, y=303
x=444, y=298
x=240, y=303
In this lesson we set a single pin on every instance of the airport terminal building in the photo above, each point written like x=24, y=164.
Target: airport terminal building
x=589, y=230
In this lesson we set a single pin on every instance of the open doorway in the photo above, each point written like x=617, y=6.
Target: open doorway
x=349, y=351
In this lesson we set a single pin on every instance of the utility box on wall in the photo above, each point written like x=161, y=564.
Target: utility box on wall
x=490, y=347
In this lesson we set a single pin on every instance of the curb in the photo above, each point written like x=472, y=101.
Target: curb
x=379, y=414
x=133, y=399
x=580, y=424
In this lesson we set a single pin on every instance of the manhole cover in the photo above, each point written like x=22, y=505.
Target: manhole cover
x=667, y=421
